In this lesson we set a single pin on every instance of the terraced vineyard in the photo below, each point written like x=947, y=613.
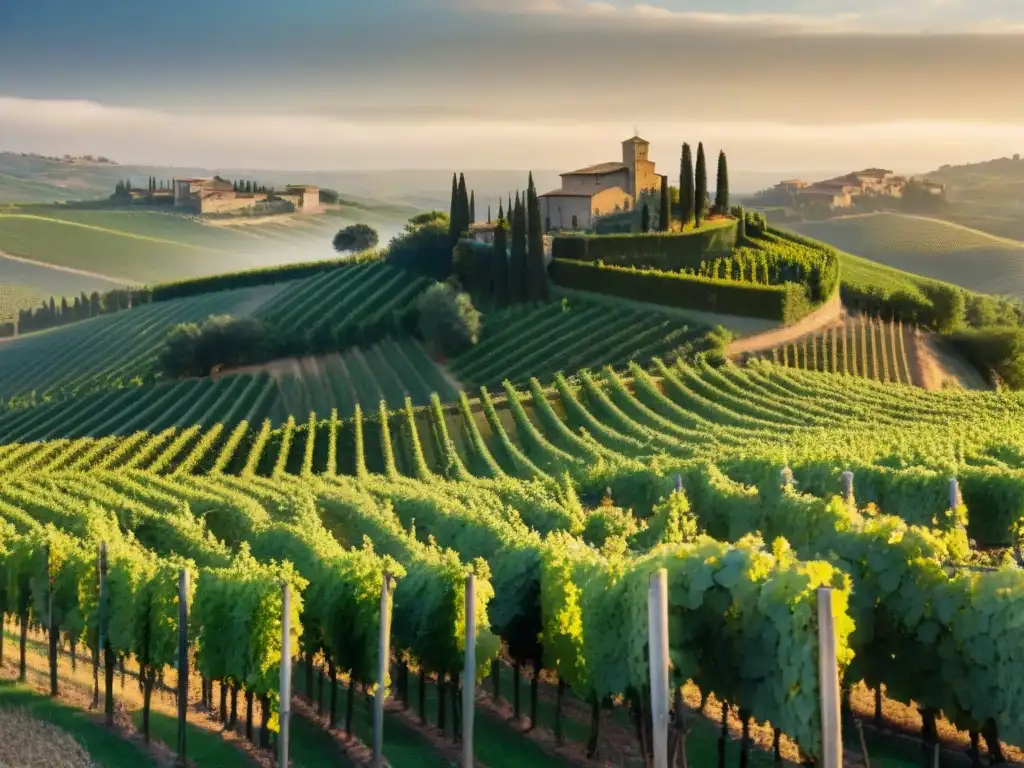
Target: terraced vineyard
x=862, y=346
x=526, y=342
x=109, y=350
x=514, y=480
x=390, y=371
x=344, y=301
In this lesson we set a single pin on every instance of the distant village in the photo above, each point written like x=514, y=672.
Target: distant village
x=845, y=191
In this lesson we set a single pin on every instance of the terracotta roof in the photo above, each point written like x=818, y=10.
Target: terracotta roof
x=872, y=172
x=596, y=169
x=568, y=193
x=304, y=187
x=192, y=181
x=636, y=140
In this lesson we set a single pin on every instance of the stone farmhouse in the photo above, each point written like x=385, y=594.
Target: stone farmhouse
x=597, y=190
x=219, y=196
x=841, y=191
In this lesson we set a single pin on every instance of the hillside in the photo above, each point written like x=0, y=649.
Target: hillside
x=141, y=247
x=936, y=249
x=988, y=196
x=576, y=445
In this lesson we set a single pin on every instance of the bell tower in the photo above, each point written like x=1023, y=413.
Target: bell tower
x=634, y=157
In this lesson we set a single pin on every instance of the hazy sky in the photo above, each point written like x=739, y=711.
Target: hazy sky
x=334, y=84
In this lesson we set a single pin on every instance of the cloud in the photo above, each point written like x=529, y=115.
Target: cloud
x=647, y=12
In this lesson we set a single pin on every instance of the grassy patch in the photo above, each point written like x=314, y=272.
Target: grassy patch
x=105, y=747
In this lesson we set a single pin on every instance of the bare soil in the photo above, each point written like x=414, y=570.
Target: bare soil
x=934, y=367
x=826, y=316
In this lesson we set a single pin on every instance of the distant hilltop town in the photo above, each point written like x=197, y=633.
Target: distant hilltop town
x=70, y=159
x=845, y=191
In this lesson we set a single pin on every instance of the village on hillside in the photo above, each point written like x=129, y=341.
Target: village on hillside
x=843, y=192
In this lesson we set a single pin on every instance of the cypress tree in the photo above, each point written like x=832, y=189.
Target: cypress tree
x=462, y=206
x=537, y=284
x=472, y=206
x=722, y=186
x=499, y=261
x=664, y=215
x=517, y=258
x=645, y=218
x=700, y=186
x=453, y=210
x=686, y=185
x=489, y=214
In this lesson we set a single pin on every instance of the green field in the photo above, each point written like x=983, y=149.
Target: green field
x=936, y=249
x=133, y=246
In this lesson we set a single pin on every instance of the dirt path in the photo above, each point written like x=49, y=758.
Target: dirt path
x=70, y=270
x=932, y=365
x=828, y=314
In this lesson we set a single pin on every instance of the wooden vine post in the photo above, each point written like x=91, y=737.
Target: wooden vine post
x=469, y=673
x=657, y=624
x=108, y=654
x=182, y=664
x=828, y=683
x=51, y=629
x=848, y=488
x=285, y=704
x=383, y=656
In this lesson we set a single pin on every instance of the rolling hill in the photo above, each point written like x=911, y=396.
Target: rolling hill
x=940, y=250
x=136, y=247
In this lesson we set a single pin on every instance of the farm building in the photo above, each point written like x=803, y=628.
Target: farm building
x=601, y=189
x=217, y=195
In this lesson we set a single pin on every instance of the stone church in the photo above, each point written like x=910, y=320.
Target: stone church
x=601, y=189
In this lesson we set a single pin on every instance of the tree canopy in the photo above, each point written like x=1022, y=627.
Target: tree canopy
x=355, y=237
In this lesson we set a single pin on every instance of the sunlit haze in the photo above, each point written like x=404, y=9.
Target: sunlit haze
x=544, y=84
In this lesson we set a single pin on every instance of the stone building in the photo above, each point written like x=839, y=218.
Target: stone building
x=219, y=196
x=598, y=190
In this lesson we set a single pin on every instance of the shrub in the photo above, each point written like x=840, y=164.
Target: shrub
x=448, y=320
x=220, y=342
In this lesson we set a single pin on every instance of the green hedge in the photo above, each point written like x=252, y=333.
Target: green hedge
x=657, y=250
x=253, y=277
x=787, y=303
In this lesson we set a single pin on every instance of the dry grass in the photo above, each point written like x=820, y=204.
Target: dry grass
x=29, y=743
